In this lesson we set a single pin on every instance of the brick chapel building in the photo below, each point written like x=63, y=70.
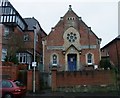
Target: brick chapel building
x=71, y=45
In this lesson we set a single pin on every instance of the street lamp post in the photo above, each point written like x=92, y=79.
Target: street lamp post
x=34, y=63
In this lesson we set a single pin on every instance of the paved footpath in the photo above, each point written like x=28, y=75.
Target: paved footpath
x=71, y=95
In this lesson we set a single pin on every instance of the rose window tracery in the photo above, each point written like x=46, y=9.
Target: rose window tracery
x=71, y=37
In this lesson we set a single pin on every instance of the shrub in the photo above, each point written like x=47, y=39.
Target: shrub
x=105, y=63
x=12, y=59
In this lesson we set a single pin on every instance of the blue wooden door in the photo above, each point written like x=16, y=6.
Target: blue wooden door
x=72, y=62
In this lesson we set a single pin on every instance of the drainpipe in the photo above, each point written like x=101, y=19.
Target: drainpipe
x=43, y=43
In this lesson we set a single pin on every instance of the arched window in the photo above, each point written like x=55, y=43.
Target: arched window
x=54, y=59
x=89, y=59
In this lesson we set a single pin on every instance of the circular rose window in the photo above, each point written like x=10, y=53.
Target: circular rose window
x=71, y=37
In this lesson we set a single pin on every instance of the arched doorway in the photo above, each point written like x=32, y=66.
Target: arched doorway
x=72, y=62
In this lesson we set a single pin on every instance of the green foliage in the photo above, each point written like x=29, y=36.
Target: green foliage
x=15, y=43
x=12, y=59
x=105, y=63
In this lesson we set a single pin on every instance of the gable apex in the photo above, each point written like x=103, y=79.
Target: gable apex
x=70, y=7
x=70, y=12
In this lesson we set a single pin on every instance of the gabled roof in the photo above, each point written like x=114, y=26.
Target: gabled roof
x=31, y=22
x=71, y=12
x=117, y=38
x=5, y=4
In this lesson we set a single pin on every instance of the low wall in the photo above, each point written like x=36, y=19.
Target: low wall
x=11, y=71
x=90, y=77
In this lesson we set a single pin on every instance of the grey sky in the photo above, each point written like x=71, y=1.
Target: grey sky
x=101, y=16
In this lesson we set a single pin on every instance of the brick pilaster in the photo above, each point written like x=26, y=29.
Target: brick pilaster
x=54, y=82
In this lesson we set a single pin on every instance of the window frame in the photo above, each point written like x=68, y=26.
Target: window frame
x=6, y=31
x=53, y=62
x=26, y=37
x=4, y=54
x=71, y=37
x=22, y=57
x=54, y=59
x=91, y=59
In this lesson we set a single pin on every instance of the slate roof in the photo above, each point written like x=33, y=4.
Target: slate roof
x=117, y=38
x=31, y=22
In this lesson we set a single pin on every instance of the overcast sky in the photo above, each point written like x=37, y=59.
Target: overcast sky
x=100, y=15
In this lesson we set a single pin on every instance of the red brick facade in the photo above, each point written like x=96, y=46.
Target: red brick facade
x=112, y=50
x=71, y=37
x=14, y=41
x=18, y=36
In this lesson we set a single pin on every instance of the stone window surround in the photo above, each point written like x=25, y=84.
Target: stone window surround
x=76, y=43
x=51, y=58
x=71, y=37
x=91, y=60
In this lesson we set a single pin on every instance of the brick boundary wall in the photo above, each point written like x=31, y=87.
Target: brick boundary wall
x=90, y=77
x=11, y=71
x=30, y=80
